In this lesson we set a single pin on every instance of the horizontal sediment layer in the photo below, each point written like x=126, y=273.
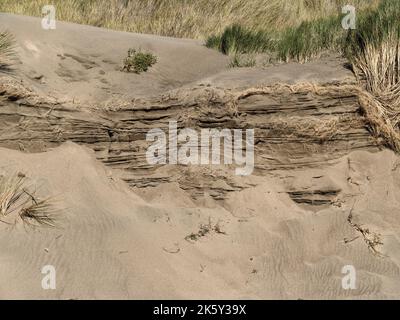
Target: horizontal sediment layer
x=295, y=127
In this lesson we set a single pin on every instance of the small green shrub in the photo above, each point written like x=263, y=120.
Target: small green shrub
x=138, y=61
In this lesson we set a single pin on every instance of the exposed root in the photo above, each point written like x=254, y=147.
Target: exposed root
x=372, y=239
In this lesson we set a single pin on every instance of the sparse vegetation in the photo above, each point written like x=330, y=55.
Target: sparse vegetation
x=6, y=49
x=138, y=61
x=11, y=191
x=374, y=51
x=204, y=230
x=16, y=199
x=372, y=239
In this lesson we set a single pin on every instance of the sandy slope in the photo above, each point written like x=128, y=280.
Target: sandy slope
x=112, y=244
x=82, y=62
x=285, y=232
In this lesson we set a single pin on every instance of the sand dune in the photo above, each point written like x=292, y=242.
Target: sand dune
x=83, y=63
x=75, y=127
x=113, y=244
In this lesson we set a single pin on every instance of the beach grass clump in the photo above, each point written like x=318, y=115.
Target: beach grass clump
x=238, y=40
x=310, y=39
x=300, y=42
x=196, y=19
x=11, y=191
x=373, y=49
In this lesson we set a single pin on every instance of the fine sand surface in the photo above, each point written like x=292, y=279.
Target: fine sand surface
x=113, y=244
x=318, y=199
x=83, y=63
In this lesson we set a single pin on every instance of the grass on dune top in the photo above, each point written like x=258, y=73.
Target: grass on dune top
x=312, y=37
x=372, y=48
x=185, y=18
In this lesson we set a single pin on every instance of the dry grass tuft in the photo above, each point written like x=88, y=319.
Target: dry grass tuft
x=379, y=120
x=7, y=52
x=204, y=230
x=39, y=213
x=11, y=192
x=379, y=69
x=14, y=197
x=374, y=51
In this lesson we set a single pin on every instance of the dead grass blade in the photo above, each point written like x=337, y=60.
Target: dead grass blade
x=39, y=213
x=11, y=192
x=15, y=197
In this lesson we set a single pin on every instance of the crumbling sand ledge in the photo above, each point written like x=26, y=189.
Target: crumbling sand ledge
x=317, y=123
